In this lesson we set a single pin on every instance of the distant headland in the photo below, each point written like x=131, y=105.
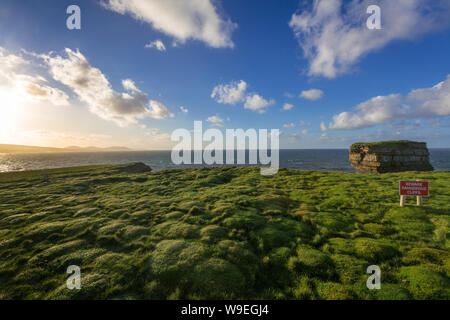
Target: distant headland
x=14, y=148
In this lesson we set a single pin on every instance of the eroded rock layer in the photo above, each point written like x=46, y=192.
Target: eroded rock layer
x=390, y=156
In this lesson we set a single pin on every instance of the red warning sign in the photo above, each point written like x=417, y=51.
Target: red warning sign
x=414, y=188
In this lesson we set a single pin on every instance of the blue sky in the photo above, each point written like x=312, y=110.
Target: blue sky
x=275, y=49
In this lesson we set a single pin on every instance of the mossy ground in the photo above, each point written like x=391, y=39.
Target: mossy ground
x=405, y=143
x=221, y=233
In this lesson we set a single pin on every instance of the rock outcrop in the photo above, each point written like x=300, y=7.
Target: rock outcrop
x=137, y=167
x=390, y=156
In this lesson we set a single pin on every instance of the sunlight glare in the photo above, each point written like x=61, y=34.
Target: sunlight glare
x=9, y=115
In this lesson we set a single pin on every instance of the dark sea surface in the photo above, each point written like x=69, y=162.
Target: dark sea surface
x=301, y=159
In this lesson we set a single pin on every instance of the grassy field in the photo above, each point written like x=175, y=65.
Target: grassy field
x=221, y=233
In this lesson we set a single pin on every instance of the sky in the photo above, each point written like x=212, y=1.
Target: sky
x=139, y=69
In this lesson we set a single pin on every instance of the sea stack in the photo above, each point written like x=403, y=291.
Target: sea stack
x=137, y=167
x=390, y=156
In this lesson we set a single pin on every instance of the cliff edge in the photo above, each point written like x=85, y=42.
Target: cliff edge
x=390, y=156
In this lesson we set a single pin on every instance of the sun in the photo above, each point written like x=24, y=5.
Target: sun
x=10, y=109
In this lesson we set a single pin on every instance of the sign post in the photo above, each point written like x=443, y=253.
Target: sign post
x=402, y=200
x=413, y=188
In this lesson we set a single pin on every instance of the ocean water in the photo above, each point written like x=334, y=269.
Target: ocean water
x=301, y=159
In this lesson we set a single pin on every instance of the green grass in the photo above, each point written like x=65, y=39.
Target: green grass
x=357, y=146
x=221, y=233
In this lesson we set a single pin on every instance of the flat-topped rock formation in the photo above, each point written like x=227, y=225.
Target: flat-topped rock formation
x=390, y=156
x=137, y=167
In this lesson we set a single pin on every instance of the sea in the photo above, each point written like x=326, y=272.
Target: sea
x=300, y=159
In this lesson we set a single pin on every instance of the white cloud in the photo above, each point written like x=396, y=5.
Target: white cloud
x=93, y=88
x=16, y=80
x=157, y=135
x=215, y=120
x=323, y=127
x=157, y=44
x=427, y=102
x=10, y=61
x=129, y=85
x=304, y=124
x=334, y=36
x=181, y=19
x=289, y=95
x=41, y=92
x=312, y=94
x=257, y=103
x=287, y=106
x=289, y=126
x=430, y=102
x=184, y=110
x=304, y=131
x=235, y=92
x=230, y=93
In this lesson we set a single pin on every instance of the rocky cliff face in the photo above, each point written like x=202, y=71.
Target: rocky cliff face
x=390, y=156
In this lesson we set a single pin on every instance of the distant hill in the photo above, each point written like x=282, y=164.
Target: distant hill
x=13, y=148
x=94, y=149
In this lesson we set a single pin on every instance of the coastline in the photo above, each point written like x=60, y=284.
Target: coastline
x=302, y=159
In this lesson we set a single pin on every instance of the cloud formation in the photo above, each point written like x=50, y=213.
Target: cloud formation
x=289, y=125
x=157, y=135
x=312, y=94
x=287, y=106
x=184, y=110
x=181, y=19
x=419, y=103
x=93, y=88
x=215, y=120
x=255, y=102
x=16, y=80
x=304, y=124
x=157, y=44
x=333, y=34
x=235, y=92
x=230, y=93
